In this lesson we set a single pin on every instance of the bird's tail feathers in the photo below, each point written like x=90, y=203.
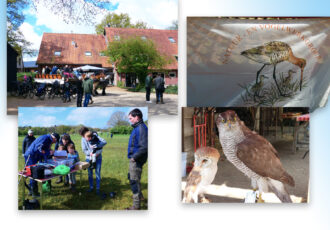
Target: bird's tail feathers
x=287, y=179
x=280, y=191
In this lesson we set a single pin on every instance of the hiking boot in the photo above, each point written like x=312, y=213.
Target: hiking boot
x=161, y=100
x=90, y=190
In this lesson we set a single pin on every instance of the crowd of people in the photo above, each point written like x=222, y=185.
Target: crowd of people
x=40, y=149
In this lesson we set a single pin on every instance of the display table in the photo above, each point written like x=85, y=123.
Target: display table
x=82, y=165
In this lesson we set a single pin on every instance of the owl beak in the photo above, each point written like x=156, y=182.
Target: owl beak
x=229, y=124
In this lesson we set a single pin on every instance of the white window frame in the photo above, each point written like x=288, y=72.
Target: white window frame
x=57, y=53
x=90, y=52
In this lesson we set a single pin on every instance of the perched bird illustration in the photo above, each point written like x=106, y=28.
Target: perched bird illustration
x=256, y=88
x=253, y=155
x=288, y=79
x=202, y=175
x=272, y=53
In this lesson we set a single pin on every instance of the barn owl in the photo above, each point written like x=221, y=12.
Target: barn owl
x=202, y=175
x=253, y=155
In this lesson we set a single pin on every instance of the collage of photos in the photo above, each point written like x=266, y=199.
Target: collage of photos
x=83, y=158
x=86, y=77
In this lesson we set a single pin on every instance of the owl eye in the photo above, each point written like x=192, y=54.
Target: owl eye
x=234, y=118
x=223, y=120
x=204, y=161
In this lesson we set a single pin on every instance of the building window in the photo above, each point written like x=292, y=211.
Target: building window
x=117, y=37
x=57, y=53
x=102, y=54
x=88, y=53
x=172, y=74
x=143, y=37
x=171, y=40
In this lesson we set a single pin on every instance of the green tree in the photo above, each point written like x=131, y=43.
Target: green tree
x=118, y=21
x=136, y=55
x=15, y=18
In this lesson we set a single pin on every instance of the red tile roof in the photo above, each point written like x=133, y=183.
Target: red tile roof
x=160, y=37
x=70, y=53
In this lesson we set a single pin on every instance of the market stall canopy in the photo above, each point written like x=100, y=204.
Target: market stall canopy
x=87, y=68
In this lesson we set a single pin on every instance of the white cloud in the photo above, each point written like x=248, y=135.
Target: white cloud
x=31, y=36
x=40, y=120
x=86, y=115
x=158, y=14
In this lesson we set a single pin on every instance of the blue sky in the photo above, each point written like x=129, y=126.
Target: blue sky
x=158, y=14
x=50, y=116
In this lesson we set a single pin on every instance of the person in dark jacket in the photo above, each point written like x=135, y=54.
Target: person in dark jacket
x=28, y=140
x=160, y=88
x=137, y=153
x=80, y=92
x=148, y=87
x=39, y=151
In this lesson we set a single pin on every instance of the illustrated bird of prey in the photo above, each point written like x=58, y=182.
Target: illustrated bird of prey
x=272, y=53
x=202, y=174
x=253, y=155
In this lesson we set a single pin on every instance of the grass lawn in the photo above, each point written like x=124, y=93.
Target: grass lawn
x=113, y=179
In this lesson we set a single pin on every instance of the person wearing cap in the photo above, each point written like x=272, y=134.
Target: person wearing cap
x=39, y=151
x=88, y=89
x=28, y=140
x=137, y=153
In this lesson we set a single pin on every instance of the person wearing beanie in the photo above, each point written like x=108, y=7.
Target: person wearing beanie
x=28, y=140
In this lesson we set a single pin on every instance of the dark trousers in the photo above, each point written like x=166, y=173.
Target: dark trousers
x=79, y=99
x=159, y=94
x=134, y=177
x=87, y=97
x=33, y=183
x=148, y=93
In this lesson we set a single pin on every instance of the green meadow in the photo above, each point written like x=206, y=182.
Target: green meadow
x=113, y=179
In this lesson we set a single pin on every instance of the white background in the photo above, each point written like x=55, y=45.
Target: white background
x=165, y=210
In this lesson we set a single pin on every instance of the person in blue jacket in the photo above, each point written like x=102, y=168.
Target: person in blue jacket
x=39, y=151
x=89, y=150
x=137, y=153
x=28, y=140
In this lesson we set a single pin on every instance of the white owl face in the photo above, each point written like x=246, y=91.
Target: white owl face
x=204, y=162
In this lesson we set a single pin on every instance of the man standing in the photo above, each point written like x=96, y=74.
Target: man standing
x=88, y=89
x=159, y=86
x=29, y=138
x=148, y=87
x=39, y=150
x=137, y=154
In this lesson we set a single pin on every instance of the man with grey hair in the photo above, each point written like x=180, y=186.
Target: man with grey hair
x=29, y=138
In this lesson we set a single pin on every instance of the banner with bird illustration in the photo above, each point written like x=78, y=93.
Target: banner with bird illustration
x=258, y=61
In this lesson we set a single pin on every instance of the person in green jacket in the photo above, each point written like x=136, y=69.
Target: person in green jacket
x=148, y=87
x=88, y=89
